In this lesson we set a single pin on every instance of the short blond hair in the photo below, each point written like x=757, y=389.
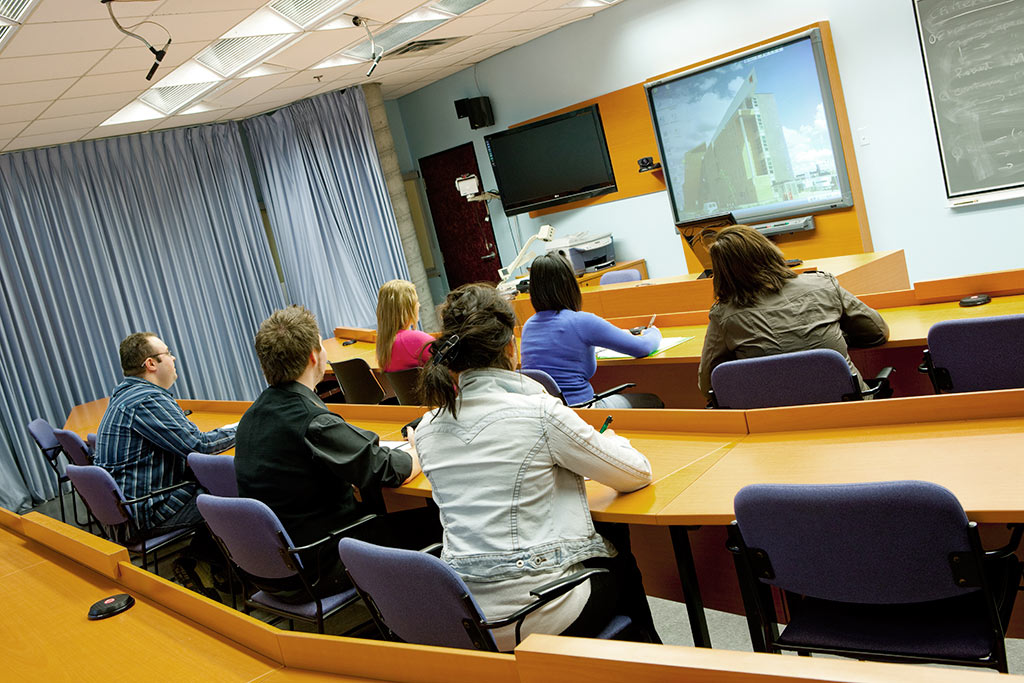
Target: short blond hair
x=396, y=309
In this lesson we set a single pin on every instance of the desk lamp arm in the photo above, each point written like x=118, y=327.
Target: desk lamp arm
x=545, y=234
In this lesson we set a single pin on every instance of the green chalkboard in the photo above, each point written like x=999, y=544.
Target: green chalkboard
x=973, y=54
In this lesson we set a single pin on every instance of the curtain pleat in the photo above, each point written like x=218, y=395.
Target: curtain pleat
x=328, y=205
x=98, y=239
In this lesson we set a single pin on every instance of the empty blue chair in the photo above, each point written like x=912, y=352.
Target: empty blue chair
x=215, y=473
x=979, y=354
x=891, y=571
x=791, y=379
x=414, y=597
x=106, y=502
x=615, y=276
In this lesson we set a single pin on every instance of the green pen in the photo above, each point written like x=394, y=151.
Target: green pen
x=607, y=421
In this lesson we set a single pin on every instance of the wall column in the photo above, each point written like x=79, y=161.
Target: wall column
x=396, y=190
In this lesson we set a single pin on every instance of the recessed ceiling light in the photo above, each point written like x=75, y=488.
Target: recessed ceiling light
x=134, y=111
x=338, y=60
x=262, y=23
x=229, y=55
x=456, y=6
x=425, y=14
x=306, y=13
x=188, y=73
x=262, y=70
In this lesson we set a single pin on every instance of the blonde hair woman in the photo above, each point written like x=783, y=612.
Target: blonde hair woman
x=399, y=347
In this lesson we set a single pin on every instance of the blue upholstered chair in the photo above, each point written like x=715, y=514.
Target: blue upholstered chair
x=77, y=451
x=256, y=543
x=616, y=276
x=890, y=571
x=791, y=379
x=551, y=386
x=106, y=502
x=215, y=473
x=42, y=433
x=414, y=597
x=977, y=354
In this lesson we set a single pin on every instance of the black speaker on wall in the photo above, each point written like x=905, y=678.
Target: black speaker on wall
x=478, y=109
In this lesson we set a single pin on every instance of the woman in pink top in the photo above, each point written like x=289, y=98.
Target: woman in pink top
x=399, y=347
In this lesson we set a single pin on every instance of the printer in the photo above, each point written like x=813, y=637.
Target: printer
x=585, y=252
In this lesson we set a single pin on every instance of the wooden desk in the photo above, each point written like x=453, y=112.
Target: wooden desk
x=859, y=273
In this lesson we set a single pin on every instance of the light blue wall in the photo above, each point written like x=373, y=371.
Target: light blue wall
x=883, y=84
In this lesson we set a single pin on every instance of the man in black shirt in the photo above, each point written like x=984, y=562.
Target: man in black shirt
x=302, y=460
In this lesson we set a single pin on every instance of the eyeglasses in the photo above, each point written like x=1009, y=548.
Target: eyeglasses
x=156, y=356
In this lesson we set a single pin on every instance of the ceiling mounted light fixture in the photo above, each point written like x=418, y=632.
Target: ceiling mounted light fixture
x=159, y=54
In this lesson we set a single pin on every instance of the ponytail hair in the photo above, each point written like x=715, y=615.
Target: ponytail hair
x=477, y=325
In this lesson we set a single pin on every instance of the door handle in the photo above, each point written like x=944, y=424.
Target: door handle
x=488, y=256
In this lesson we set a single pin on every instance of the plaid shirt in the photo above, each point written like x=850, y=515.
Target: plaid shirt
x=144, y=440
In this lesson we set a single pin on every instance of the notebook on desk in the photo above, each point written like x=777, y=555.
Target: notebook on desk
x=666, y=343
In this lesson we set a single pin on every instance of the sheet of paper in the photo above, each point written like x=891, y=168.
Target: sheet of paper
x=666, y=343
x=233, y=425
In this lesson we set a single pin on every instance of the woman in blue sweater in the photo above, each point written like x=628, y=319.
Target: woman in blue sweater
x=560, y=338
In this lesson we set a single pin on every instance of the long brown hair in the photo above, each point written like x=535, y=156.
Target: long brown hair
x=477, y=325
x=396, y=308
x=746, y=265
x=553, y=284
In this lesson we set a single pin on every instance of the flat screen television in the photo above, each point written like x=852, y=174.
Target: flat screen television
x=754, y=135
x=554, y=161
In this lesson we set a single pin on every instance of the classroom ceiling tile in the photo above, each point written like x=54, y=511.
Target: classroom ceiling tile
x=188, y=119
x=37, y=91
x=64, y=123
x=78, y=10
x=504, y=7
x=245, y=89
x=120, y=129
x=382, y=11
x=531, y=20
x=45, y=140
x=61, y=38
x=11, y=130
x=101, y=84
x=44, y=67
x=314, y=47
x=137, y=58
x=199, y=6
x=14, y=113
x=463, y=26
x=87, y=105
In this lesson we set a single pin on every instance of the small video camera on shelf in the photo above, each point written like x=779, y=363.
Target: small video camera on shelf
x=646, y=163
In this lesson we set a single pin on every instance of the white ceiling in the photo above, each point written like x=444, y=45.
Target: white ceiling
x=67, y=69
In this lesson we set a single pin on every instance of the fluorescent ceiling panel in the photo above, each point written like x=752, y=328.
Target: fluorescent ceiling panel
x=305, y=13
x=457, y=6
x=172, y=98
x=15, y=10
x=262, y=23
x=136, y=111
x=232, y=54
x=425, y=14
x=391, y=38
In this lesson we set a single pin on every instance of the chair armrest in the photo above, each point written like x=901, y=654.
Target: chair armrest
x=158, y=492
x=433, y=549
x=544, y=595
x=604, y=394
x=926, y=363
x=1011, y=546
x=333, y=536
x=878, y=386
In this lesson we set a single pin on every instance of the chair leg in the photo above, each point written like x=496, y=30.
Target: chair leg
x=60, y=500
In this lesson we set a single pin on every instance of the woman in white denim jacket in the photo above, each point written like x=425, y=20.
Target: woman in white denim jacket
x=506, y=463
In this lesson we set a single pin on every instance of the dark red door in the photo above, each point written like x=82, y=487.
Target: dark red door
x=463, y=227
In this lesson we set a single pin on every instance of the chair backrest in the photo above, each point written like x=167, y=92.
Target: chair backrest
x=545, y=380
x=420, y=598
x=101, y=494
x=404, y=383
x=787, y=379
x=215, y=473
x=877, y=543
x=980, y=354
x=251, y=533
x=44, y=437
x=615, y=276
x=357, y=381
x=73, y=446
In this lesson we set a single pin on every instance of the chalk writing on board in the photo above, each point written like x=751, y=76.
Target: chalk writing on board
x=974, y=61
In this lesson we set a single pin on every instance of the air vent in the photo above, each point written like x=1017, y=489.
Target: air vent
x=228, y=55
x=424, y=47
x=391, y=38
x=307, y=12
x=173, y=97
x=4, y=31
x=15, y=10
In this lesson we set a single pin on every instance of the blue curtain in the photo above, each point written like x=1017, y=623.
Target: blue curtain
x=98, y=239
x=329, y=209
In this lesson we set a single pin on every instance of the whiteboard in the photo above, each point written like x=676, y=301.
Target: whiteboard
x=973, y=54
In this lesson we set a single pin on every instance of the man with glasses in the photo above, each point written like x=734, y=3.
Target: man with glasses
x=144, y=440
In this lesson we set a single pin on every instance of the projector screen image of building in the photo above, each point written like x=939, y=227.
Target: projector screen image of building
x=755, y=136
